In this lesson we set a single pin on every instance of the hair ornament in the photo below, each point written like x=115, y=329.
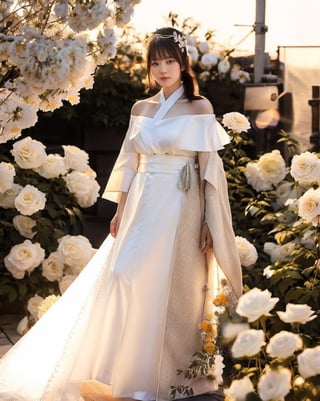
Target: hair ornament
x=177, y=38
x=181, y=40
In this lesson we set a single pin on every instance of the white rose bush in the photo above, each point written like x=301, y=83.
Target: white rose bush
x=49, y=51
x=273, y=338
x=212, y=62
x=41, y=208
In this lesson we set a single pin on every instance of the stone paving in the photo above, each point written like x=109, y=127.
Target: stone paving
x=8, y=332
x=9, y=335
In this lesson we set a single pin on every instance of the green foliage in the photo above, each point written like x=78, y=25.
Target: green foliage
x=61, y=215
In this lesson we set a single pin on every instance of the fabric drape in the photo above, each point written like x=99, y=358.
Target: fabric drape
x=130, y=319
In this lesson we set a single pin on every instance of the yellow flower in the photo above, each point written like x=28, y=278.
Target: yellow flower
x=221, y=299
x=209, y=337
x=207, y=327
x=209, y=347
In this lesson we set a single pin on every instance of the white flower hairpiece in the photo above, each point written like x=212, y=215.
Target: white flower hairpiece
x=178, y=38
x=181, y=40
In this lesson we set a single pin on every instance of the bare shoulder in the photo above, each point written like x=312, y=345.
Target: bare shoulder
x=144, y=106
x=202, y=106
x=138, y=107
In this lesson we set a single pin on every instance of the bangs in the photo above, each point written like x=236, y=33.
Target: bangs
x=161, y=48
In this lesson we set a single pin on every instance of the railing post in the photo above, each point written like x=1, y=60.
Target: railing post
x=315, y=119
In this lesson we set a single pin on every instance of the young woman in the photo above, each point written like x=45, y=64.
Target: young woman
x=131, y=319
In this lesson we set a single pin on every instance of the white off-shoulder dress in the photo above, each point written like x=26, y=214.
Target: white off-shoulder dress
x=131, y=318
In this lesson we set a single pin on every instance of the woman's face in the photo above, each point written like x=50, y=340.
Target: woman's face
x=166, y=72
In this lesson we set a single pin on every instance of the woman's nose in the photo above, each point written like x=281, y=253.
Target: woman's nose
x=163, y=68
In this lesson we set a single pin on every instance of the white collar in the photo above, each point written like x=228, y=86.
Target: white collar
x=166, y=104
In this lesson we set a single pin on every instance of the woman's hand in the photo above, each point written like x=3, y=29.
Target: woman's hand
x=114, y=225
x=205, y=238
x=115, y=222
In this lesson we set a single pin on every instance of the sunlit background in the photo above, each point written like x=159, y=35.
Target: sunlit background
x=293, y=26
x=290, y=22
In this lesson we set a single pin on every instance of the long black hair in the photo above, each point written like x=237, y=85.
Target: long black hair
x=169, y=42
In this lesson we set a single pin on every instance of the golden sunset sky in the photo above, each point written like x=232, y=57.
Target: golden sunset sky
x=290, y=22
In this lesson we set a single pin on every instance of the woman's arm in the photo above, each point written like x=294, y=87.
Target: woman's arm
x=115, y=222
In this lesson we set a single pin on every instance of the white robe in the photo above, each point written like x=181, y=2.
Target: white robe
x=111, y=324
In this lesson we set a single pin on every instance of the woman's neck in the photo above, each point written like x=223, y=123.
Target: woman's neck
x=167, y=92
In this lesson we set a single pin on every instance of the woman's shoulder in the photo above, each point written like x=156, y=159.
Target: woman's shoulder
x=202, y=106
x=198, y=106
x=144, y=106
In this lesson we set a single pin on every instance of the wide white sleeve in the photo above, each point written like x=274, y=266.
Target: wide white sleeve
x=219, y=219
x=201, y=133
x=123, y=172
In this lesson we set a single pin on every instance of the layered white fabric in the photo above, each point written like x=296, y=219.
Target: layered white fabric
x=110, y=324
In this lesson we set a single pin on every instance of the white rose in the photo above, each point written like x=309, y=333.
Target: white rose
x=272, y=167
x=268, y=271
x=7, y=173
x=29, y=153
x=309, y=206
x=236, y=121
x=53, y=166
x=216, y=371
x=208, y=60
x=300, y=313
x=66, y=281
x=15, y=272
x=23, y=326
x=255, y=303
x=24, y=225
x=283, y=192
x=7, y=198
x=248, y=343
x=284, y=344
x=244, y=77
x=46, y=304
x=224, y=66
x=90, y=172
x=278, y=252
x=75, y=158
x=252, y=174
x=239, y=389
x=231, y=330
x=305, y=168
x=309, y=362
x=61, y=10
x=235, y=72
x=52, y=267
x=84, y=188
x=193, y=53
x=204, y=47
x=30, y=200
x=25, y=256
x=247, y=251
x=76, y=251
x=274, y=384
x=33, y=305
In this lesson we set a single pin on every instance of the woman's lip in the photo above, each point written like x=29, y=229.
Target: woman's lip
x=164, y=78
